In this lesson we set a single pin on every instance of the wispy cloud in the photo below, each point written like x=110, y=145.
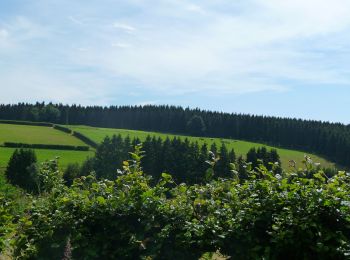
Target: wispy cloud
x=125, y=27
x=195, y=8
x=177, y=48
x=120, y=45
x=75, y=20
x=3, y=33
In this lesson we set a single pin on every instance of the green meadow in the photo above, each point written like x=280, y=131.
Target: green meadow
x=48, y=135
x=35, y=135
x=240, y=147
x=41, y=135
x=65, y=157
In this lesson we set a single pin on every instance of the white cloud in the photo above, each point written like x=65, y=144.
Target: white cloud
x=253, y=51
x=125, y=27
x=23, y=84
x=75, y=20
x=120, y=45
x=232, y=47
x=83, y=49
x=3, y=33
x=195, y=8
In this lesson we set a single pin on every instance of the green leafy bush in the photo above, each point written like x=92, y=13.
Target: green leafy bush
x=266, y=216
x=6, y=224
x=71, y=172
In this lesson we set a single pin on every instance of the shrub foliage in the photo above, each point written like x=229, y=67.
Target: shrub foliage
x=267, y=215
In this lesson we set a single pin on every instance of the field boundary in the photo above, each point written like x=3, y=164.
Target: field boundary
x=46, y=146
x=62, y=129
x=85, y=139
x=19, y=122
x=78, y=135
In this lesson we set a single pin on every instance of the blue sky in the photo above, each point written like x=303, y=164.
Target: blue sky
x=284, y=58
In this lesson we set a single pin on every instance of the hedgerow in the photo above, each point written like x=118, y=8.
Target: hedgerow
x=298, y=215
x=85, y=139
x=19, y=122
x=47, y=146
x=63, y=129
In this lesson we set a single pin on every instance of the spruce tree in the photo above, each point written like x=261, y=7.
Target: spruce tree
x=18, y=171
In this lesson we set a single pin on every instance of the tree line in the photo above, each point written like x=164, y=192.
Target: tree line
x=188, y=162
x=331, y=140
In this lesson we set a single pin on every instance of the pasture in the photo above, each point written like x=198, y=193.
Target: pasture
x=240, y=147
x=65, y=157
x=35, y=135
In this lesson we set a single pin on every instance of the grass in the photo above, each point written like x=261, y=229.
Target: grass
x=35, y=135
x=7, y=189
x=66, y=157
x=240, y=147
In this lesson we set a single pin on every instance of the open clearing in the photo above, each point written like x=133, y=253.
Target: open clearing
x=41, y=135
x=65, y=157
x=240, y=147
x=35, y=135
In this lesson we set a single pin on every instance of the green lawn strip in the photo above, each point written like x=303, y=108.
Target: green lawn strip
x=36, y=135
x=240, y=147
x=65, y=157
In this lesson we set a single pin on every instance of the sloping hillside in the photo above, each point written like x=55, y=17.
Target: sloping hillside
x=240, y=147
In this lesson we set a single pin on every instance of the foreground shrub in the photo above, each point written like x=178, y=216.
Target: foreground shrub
x=71, y=172
x=6, y=224
x=267, y=216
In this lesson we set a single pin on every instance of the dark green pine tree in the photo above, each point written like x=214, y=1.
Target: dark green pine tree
x=167, y=157
x=222, y=167
x=104, y=159
x=109, y=157
x=127, y=147
x=213, y=148
x=252, y=157
x=275, y=159
x=241, y=166
x=88, y=167
x=262, y=155
x=196, y=126
x=232, y=156
x=149, y=160
x=18, y=171
x=202, y=164
x=192, y=158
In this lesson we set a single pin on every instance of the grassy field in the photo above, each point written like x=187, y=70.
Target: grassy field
x=35, y=135
x=66, y=157
x=240, y=147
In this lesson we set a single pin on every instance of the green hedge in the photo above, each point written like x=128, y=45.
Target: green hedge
x=85, y=139
x=18, y=122
x=47, y=146
x=63, y=129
